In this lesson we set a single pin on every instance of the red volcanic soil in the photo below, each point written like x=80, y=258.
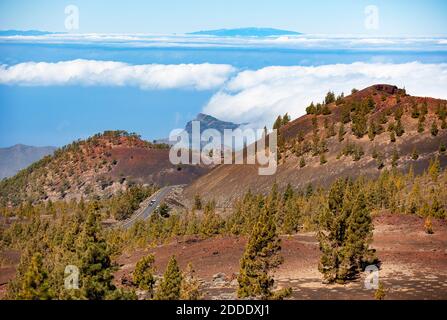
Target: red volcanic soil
x=11, y=259
x=414, y=264
x=152, y=166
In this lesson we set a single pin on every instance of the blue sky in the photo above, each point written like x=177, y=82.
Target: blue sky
x=397, y=17
x=57, y=88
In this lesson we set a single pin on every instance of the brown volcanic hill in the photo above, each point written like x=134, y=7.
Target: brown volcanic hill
x=99, y=166
x=303, y=139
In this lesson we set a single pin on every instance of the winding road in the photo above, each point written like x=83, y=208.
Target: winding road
x=158, y=196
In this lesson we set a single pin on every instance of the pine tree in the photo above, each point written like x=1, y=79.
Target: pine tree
x=392, y=136
x=414, y=198
x=143, y=276
x=415, y=111
x=421, y=121
x=442, y=147
x=302, y=162
x=94, y=262
x=330, y=97
x=374, y=153
x=323, y=160
x=414, y=154
x=395, y=158
x=170, y=285
x=325, y=110
x=285, y=119
x=434, y=129
x=34, y=284
x=399, y=129
x=428, y=226
x=443, y=124
x=380, y=293
x=278, y=123
x=436, y=208
x=331, y=131
x=197, y=202
x=291, y=216
x=341, y=132
x=192, y=223
x=345, y=233
x=163, y=210
x=371, y=104
x=398, y=113
x=358, y=153
x=190, y=288
x=441, y=112
x=434, y=168
x=424, y=109
x=331, y=222
x=382, y=118
x=311, y=109
x=300, y=136
x=261, y=256
x=379, y=161
x=356, y=253
x=345, y=114
x=371, y=131
x=339, y=99
x=288, y=193
x=212, y=223
x=359, y=124
x=315, y=145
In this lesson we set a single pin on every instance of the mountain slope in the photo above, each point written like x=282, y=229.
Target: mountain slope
x=18, y=157
x=312, y=153
x=97, y=167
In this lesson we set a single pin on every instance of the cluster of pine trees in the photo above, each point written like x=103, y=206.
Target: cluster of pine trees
x=174, y=285
x=125, y=203
x=261, y=257
x=296, y=210
x=54, y=235
x=49, y=246
x=323, y=108
x=364, y=119
x=345, y=233
x=119, y=206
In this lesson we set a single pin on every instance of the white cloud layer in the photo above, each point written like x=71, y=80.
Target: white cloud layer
x=251, y=96
x=313, y=41
x=109, y=73
x=259, y=96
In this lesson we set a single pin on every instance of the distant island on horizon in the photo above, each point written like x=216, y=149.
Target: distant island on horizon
x=237, y=32
x=246, y=32
x=9, y=33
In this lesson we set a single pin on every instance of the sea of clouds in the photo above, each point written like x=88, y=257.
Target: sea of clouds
x=304, y=41
x=110, y=73
x=248, y=96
